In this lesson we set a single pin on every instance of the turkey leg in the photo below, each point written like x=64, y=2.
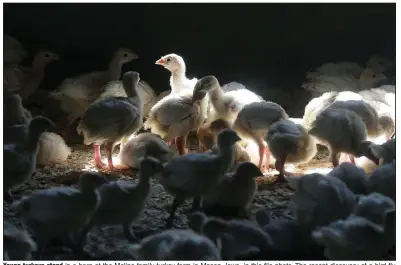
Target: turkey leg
x=98, y=157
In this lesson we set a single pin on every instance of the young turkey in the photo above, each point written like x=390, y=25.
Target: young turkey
x=112, y=120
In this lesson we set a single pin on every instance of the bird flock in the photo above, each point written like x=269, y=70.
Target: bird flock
x=348, y=214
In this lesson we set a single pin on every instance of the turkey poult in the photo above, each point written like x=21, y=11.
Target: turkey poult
x=142, y=145
x=116, y=89
x=383, y=180
x=224, y=104
x=18, y=244
x=340, y=130
x=178, y=80
x=52, y=150
x=178, y=113
x=353, y=176
x=237, y=189
x=31, y=77
x=291, y=240
x=61, y=211
x=366, y=234
x=320, y=200
x=194, y=174
x=20, y=158
x=207, y=135
x=77, y=93
x=175, y=244
x=382, y=99
x=113, y=120
x=290, y=143
x=122, y=202
x=384, y=153
x=346, y=75
x=374, y=124
x=253, y=122
x=238, y=238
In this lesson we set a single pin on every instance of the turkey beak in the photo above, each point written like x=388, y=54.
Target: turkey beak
x=160, y=62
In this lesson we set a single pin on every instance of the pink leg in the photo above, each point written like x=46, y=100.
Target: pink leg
x=170, y=143
x=267, y=154
x=261, y=155
x=181, y=143
x=109, y=151
x=98, y=158
x=279, y=165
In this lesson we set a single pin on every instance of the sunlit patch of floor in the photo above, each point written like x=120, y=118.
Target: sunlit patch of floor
x=323, y=171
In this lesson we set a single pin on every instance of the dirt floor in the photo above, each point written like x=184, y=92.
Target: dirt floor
x=108, y=243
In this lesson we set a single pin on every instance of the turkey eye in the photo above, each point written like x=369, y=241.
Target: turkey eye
x=168, y=60
x=125, y=55
x=47, y=55
x=374, y=75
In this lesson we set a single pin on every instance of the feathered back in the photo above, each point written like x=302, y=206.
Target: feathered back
x=52, y=149
x=316, y=105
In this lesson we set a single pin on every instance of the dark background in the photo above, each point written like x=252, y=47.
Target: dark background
x=260, y=45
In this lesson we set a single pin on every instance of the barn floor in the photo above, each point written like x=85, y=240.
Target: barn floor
x=109, y=242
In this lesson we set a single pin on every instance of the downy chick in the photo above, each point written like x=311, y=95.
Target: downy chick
x=176, y=244
x=123, y=202
x=238, y=238
x=290, y=240
x=290, y=143
x=366, y=112
x=384, y=153
x=319, y=200
x=143, y=145
x=112, y=120
x=208, y=140
x=52, y=150
x=253, y=123
x=61, y=211
x=340, y=130
x=20, y=158
x=18, y=244
x=236, y=189
x=383, y=180
x=353, y=176
x=193, y=175
x=226, y=101
x=367, y=234
x=75, y=94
